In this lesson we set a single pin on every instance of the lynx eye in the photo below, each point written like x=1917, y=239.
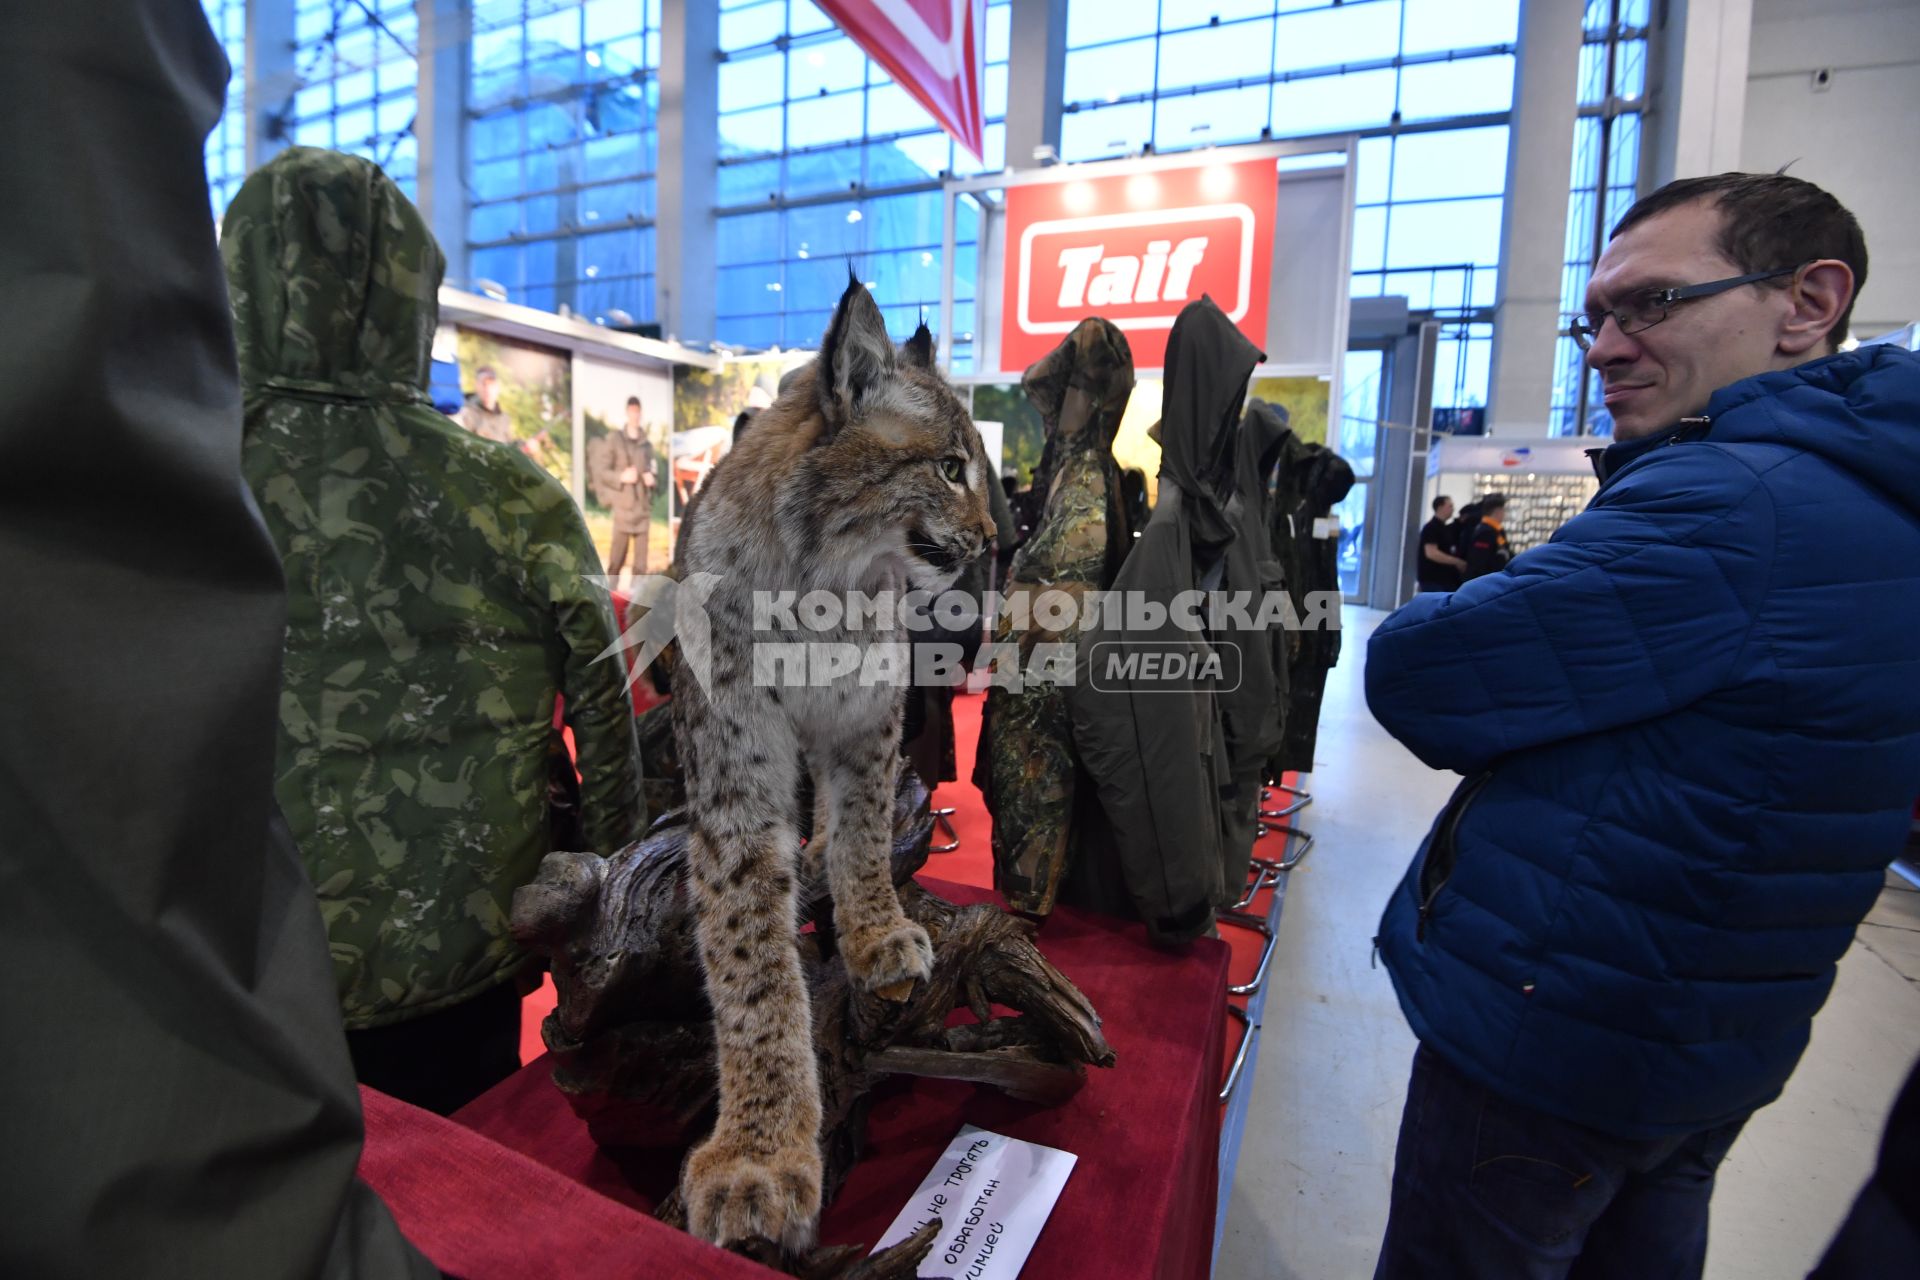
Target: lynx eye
x=954, y=469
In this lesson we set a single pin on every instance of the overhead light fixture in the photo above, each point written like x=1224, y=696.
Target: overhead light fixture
x=491, y=289
x=592, y=272
x=854, y=215
x=926, y=259
x=593, y=59
x=773, y=286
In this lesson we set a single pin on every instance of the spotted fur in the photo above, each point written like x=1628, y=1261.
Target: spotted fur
x=845, y=483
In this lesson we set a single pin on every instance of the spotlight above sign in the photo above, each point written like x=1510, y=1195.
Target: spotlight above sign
x=933, y=49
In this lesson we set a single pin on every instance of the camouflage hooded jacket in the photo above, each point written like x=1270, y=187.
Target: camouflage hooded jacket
x=438, y=600
x=1025, y=766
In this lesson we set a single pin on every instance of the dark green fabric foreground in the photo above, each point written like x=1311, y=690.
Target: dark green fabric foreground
x=441, y=590
x=177, y=1096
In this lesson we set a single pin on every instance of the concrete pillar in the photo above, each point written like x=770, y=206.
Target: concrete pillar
x=439, y=127
x=1036, y=79
x=1533, y=227
x=1697, y=88
x=686, y=188
x=271, y=78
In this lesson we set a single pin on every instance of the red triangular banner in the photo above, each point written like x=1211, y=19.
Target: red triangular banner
x=934, y=49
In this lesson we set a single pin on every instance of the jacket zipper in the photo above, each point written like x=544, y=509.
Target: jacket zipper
x=1596, y=457
x=1444, y=838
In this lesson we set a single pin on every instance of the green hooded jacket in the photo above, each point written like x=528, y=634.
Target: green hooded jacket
x=441, y=595
x=1026, y=767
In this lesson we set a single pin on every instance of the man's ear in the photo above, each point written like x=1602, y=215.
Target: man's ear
x=855, y=357
x=919, y=348
x=1819, y=298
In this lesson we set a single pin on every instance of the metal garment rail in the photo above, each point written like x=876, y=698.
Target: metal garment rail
x=1236, y=1092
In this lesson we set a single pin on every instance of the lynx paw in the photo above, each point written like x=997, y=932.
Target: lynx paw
x=733, y=1194
x=890, y=959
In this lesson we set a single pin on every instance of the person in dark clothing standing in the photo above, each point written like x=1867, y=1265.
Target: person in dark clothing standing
x=1486, y=546
x=1885, y=1220
x=1460, y=532
x=1688, y=726
x=180, y=1100
x=1438, y=568
x=624, y=478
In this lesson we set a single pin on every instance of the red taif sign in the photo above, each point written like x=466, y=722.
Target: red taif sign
x=934, y=49
x=1136, y=248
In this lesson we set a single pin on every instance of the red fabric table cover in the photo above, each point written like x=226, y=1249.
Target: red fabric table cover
x=1141, y=1200
x=482, y=1212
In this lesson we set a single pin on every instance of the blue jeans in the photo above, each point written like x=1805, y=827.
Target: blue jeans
x=1487, y=1190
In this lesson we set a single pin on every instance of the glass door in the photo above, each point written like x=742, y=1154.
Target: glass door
x=1357, y=439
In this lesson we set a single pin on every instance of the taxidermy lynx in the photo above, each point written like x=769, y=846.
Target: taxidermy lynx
x=866, y=475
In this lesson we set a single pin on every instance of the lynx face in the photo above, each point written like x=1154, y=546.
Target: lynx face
x=891, y=468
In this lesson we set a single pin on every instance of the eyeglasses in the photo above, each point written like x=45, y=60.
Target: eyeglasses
x=1650, y=306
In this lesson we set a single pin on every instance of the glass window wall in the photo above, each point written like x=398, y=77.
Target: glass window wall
x=227, y=144
x=1427, y=83
x=562, y=148
x=1606, y=169
x=827, y=167
x=358, y=70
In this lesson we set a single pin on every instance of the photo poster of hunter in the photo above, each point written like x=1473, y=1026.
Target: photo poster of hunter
x=625, y=415
x=709, y=407
x=519, y=394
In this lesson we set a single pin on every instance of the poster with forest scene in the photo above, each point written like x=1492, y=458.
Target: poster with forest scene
x=519, y=394
x=627, y=513
x=707, y=404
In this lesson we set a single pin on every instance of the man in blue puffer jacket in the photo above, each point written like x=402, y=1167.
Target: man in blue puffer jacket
x=1690, y=729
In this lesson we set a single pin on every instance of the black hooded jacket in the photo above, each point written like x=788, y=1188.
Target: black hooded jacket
x=1253, y=711
x=1154, y=742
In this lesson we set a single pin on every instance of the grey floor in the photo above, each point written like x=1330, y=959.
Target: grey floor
x=1310, y=1196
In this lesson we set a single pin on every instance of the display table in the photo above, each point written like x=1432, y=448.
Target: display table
x=482, y=1212
x=1141, y=1200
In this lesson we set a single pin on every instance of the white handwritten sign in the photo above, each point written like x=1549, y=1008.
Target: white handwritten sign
x=992, y=1194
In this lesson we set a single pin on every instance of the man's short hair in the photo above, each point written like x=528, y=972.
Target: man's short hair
x=633, y=402
x=1441, y=501
x=1493, y=502
x=1770, y=221
x=486, y=371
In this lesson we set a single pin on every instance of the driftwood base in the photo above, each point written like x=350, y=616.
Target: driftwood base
x=632, y=1035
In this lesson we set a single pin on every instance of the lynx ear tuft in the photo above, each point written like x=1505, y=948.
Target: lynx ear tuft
x=856, y=357
x=919, y=348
